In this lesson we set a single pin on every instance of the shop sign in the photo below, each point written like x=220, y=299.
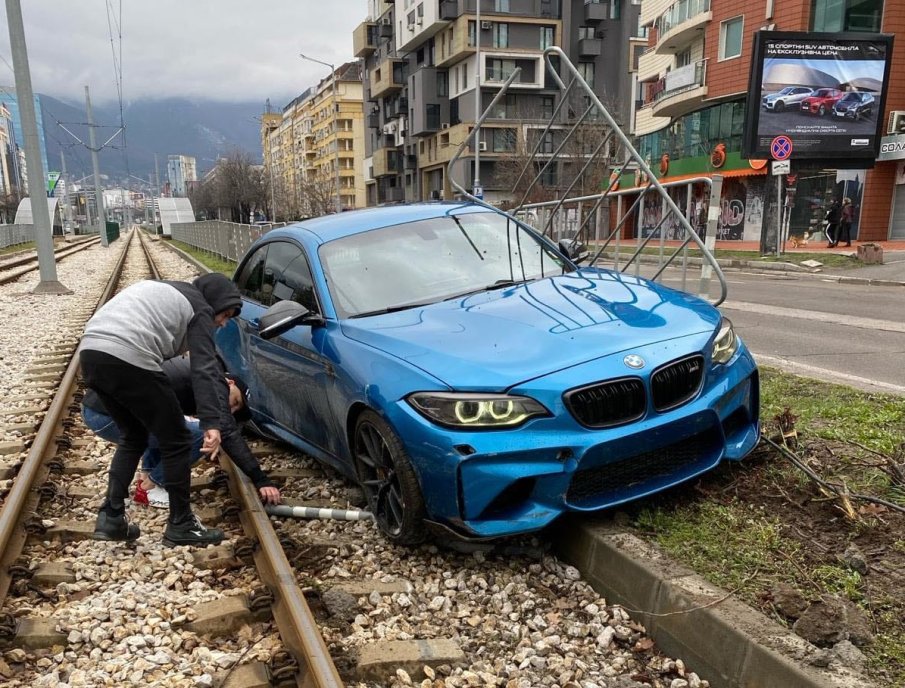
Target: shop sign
x=892, y=147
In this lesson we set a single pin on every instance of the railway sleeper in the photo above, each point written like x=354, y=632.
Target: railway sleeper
x=226, y=615
x=219, y=558
x=34, y=633
x=378, y=661
x=81, y=467
x=251, y=675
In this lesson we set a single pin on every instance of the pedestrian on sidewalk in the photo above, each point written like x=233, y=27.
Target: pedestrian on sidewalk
x=847, y=216
x=121, y=352
x=833, y=215
x=149, y=488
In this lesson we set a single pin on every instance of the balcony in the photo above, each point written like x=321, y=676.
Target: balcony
x=590, y=47
x=410, y=162
x=681, y=91
x=387, y=162
x=681, y=25
x=385, y=31
x=393, y=194
x=386, y=78
x=595, y=12
x=374, y=120
x=364, y=39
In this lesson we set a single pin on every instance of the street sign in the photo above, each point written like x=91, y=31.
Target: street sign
x=479, y=192
x=781, y=147
x=781, y=167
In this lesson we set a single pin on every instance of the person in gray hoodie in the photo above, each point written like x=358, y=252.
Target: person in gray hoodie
x=121, y=352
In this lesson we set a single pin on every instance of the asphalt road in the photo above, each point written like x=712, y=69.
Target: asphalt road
x=844, y=333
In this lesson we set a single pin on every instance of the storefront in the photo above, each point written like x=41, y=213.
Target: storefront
x=892, y=148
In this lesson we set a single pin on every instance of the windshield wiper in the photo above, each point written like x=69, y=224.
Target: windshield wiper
x=499, y=284
x=391, y=309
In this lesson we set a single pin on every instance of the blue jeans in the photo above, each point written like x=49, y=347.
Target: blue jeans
x=103, y=426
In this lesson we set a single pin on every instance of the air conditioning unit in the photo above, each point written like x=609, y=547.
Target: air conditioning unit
x=445, y=125
x=896, y=122
x=486, y=25
x=420, y=21
x=389, y=128
x=482, y=146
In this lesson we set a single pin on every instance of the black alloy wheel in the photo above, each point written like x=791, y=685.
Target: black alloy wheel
x=388, y=479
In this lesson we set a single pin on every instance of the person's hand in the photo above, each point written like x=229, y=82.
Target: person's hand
x=270, y=495
x=211, y=443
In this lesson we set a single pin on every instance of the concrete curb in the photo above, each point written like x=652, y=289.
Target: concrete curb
x=716, y=635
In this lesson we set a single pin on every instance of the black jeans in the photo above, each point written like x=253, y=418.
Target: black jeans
x=141, y=402
x=845, y=232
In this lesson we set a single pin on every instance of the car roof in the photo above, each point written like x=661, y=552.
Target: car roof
x=336, y=226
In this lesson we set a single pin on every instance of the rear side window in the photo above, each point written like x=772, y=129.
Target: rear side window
x=287, y=276
x=251, y=279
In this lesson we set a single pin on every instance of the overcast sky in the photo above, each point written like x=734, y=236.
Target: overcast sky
x=232, y=50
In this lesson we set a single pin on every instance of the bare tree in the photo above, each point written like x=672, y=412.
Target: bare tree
x=236, y=189
x=318, y=195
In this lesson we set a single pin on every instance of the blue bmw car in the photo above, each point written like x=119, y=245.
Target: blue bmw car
x=472, y=378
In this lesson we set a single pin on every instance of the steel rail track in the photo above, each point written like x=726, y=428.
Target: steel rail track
x=7, y=277
x=295, y=621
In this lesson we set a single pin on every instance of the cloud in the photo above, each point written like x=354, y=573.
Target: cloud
x=228, y=50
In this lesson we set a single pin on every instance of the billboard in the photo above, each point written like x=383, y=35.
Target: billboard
x=826, y=92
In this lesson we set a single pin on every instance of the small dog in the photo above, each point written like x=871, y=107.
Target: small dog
x=798, y=242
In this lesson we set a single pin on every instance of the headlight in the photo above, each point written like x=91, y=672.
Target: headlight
x=468, y=410
x=726, y=343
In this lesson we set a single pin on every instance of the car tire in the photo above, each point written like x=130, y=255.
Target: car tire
x=388, y=480
x=779, y=106
x=821, y=110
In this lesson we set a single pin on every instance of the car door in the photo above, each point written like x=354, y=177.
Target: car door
x=290, y=374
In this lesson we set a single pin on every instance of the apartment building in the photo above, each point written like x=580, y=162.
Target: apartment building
x=431, y=64
x=7, y=145
x=692, y=83
x=181, y=170
x=315, y=147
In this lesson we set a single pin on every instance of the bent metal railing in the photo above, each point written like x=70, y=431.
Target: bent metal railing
x=560, y=165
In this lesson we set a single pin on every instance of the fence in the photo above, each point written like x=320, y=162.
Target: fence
x=112, y=231
x=10, y=235
x=227, y=240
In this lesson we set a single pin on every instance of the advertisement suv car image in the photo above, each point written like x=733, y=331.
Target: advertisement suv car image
x=854, y=106
x=790, y=95
x=821, y=101
x=472, y=378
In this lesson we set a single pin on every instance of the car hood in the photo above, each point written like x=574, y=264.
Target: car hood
x=494, y=340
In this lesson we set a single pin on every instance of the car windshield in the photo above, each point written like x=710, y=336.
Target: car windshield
x=787, y=90
x=418, y=263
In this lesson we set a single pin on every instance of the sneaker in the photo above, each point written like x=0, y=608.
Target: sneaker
x=140, y=496
x=115, y=528
x=190, y=531
x=158, y=498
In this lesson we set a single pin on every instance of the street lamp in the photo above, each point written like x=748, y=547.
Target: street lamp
x=335, y=129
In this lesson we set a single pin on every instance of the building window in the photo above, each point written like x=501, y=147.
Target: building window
x=585, y=32
x=464, y=77
x=501, y=5
x=547, y=106
x=499, y=70
x=586, y=70
x=731, y=38
x=442, y=85
x=846, y=15
x=546, y=37
x=683, y=58
x=500, y=35
x=503, y=140
x=546, y=145
x=615, y=9
x=471, y=36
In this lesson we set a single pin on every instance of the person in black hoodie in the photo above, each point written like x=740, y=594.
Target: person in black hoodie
x=121, y=352
x=233, y=410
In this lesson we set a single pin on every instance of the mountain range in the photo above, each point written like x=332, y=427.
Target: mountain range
x=203, y=129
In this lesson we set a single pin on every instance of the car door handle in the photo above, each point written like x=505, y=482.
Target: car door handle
x=254, y=324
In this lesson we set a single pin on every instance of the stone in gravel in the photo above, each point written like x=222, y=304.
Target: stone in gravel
x=204, y=681
x=375, y=598
x=678, y=683
x=341, y=605
x=16, y=656
x=788, y=601
x=694, y=681
x=606, y=637
x=823, y=622
x=854, y=558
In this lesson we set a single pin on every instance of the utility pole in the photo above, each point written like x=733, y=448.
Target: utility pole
x=47, y=266
x=477, y=191
x=98, y=191
x=67, y=209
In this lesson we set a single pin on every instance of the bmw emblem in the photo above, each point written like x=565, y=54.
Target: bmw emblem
x=633, y=361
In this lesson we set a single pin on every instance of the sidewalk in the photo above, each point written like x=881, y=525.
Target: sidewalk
x=891, y=271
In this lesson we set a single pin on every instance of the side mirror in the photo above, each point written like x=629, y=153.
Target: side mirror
x=283, y=316
x=573, y=250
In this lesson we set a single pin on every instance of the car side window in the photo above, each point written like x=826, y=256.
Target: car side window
x=287, y=276
x=251, y=279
